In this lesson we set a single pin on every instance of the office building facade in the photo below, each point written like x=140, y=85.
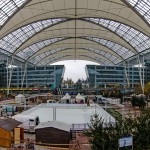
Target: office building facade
x=3, y=73
x=107, y=76
x=36, y=77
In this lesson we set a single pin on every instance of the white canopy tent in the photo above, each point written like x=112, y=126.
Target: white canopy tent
x=80, y=98
x=20, y=98
x=66, y=99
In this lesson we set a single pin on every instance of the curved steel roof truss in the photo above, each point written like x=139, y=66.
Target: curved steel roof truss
x=141, y=7
x=69, y=51
x=114, y=48
x=14, y=40
x=46, y=54
x=136, y=39
x=100, y=60
x=21, y=31
x=9, y=8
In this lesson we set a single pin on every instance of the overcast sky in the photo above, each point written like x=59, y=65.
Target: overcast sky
x=75, y=69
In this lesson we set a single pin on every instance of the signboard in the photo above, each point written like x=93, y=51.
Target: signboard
x=35, y=89
x=126, y=141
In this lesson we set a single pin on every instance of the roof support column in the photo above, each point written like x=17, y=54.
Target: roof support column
x=25, y=70
x=10, y=74
x=143, y=66
x=126, y=74
x=7, y=71
x=140, y=72
x=95, y=84
x=128, y=70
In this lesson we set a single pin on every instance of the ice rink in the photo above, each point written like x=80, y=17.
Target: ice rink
x=68, y=113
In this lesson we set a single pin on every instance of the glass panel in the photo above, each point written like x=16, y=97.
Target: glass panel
x=135, y=38
x=48, y=61
x=5, y=52
x=41, y=56
x=105, y=54
x=120, y=50
x=142, y=6
x=8, y=7
x=103, y=61
x=19, y=36
x=31, y=50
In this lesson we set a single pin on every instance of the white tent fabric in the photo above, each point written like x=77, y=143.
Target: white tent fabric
x=66, y=99
x=20, y=95
x=67, y=96
x=79, y=97
x=20, y=98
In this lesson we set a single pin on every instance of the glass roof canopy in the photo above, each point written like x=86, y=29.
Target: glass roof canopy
x=135, y=38
x=42, y=56
x=142, y=6
x=8, y=7
x=13, y=40
x=105, y=54
x=32, y=30
x=120, y=50
x=29, y=51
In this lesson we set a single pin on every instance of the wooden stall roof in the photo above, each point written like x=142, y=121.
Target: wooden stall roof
x=54, y=124
x=9, y=124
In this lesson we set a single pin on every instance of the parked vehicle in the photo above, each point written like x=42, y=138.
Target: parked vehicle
x=51, y=101
x=28, y=122
x=102, y=100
